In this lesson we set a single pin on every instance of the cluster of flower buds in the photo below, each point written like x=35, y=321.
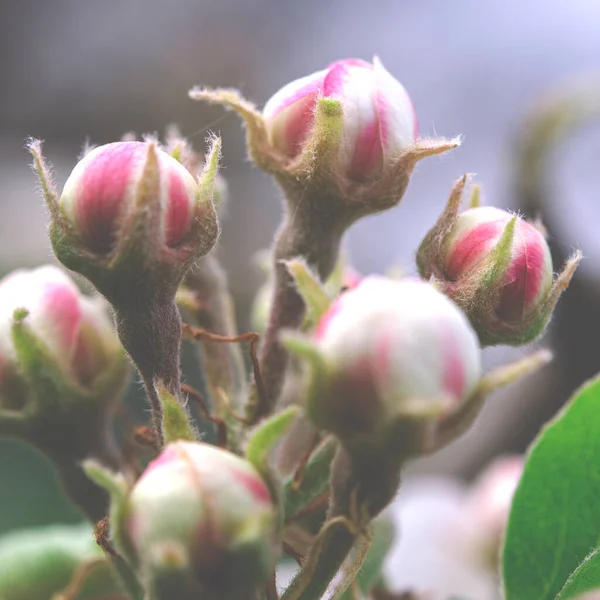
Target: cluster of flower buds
x=496, y=267
x=202, y=521
x=393, y=353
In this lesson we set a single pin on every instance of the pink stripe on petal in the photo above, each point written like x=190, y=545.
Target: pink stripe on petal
x=168, y=456
x=472, y=246
x=61, y=315
x=253, y=484
x=368, y=153
x=178, y=210
x=524, y=277
x=101, y=192
x=333, y=85
x=453, y=379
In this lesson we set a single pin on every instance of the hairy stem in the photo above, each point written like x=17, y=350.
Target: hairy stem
x=151, y=334
x=315, y=235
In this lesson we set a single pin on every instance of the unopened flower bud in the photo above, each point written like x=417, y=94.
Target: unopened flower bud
x=489, y=502
x=132, y=197
x=74, y=330
x=201, y=520
x=497, y=268
x=379, y=121
x=62, y=371
x=393, y=351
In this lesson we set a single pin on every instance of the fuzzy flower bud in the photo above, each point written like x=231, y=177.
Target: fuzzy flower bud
x=496, y=267
x=393, y=351
x=101, y=198
x=74, y=330
x=201, y=520
x=379, y=121
x=527, y=278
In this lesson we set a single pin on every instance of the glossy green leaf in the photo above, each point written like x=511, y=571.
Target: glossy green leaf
x=585, y=578
x=555, y=518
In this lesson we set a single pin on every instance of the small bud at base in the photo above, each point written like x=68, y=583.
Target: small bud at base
x=211, y=505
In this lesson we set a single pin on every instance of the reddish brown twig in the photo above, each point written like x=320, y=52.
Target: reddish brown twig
x=201, y=335
x=220, y=425
x=299, y=473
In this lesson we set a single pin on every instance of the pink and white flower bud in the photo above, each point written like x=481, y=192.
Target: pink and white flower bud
x=489, y=502
x=379, y=121
x=206, y=514
x=392, y=349
x=527, y=279
x=75, y=329
x=102, y=193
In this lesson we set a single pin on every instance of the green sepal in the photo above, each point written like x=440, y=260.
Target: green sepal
x=176, y=421
x=118, y=489
x=312, y=291
x=499, y=258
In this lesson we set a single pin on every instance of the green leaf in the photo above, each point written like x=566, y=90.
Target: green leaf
x=585, y=578
x=315, y=479
x=555, y=516
x=266, y=436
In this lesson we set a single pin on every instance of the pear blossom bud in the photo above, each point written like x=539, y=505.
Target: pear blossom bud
x=527, y=278
x=102, y=198
x=202, y=517
x=393, y=350
x=379, y=121
x=489, y=502
x=496, y=267
x=74, y=329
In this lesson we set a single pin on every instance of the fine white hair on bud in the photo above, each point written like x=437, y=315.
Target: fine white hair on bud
x=379, y=120
x=392, y=348
x=105, y=188
x=208, y=509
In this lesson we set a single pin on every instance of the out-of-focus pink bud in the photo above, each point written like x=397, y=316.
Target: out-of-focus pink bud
x=75, y=330
x=496, y=267
x=205, y=516
x=105, y=193
x=393, y=349
x=489, y=501
x=379, y=121
x=527, y=278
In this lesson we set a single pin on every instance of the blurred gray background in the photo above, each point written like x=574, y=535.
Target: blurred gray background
x=76, y=70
